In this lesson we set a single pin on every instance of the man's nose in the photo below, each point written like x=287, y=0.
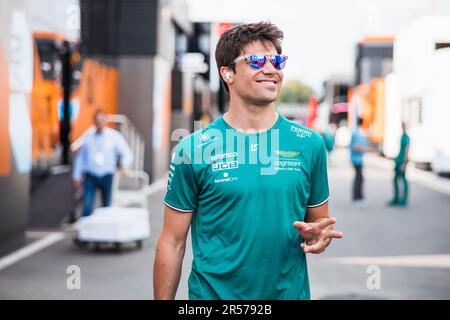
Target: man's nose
x=268, y=68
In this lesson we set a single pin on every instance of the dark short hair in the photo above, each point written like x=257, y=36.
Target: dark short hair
x=97, y=112
x=232, y=42
x=359, y=121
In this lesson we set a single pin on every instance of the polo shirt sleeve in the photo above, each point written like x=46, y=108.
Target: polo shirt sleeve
x=406, y=142
x=319, y=178
x=182, y=189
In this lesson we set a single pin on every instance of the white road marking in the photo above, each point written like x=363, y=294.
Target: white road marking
x=441, y=261
x=430, y=180
x=30, y=249
x=37, y=234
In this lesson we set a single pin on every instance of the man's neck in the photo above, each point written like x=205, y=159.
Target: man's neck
x=251, y=117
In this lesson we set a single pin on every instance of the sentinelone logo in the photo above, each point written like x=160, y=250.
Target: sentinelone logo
x=226, y=179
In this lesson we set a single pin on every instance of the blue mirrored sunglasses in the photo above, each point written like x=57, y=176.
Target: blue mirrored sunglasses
x=257, y=61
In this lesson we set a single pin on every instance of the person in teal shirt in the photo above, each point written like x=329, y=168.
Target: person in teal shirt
x=252, y=186
x=328, y=138
x=401, y=198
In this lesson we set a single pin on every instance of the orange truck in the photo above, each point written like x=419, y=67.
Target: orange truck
x=46, y=93
x=94, y=85
x=367, y=97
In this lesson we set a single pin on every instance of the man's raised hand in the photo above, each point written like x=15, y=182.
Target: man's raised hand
x=317, y=234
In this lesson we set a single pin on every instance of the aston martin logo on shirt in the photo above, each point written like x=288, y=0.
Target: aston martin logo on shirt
x=287, y=154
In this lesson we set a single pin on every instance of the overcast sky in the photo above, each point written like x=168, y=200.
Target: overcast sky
x=320, y=35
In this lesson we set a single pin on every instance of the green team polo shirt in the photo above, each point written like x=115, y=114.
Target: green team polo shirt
x=245, y=191
x=400, y=159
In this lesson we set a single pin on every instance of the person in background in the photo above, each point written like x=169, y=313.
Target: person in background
x=400, y=171
x=328, y=138
x=104, y=151
x=358, y=146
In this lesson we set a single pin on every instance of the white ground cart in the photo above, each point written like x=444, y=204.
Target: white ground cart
x=113, y=226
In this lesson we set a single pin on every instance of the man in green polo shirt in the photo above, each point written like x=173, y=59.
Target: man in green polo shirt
x=252, y=186
x=401, y=198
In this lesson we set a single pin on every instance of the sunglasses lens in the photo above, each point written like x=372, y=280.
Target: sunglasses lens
x=257, y=61
x=278, y=62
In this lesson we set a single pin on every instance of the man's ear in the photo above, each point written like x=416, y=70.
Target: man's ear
x=226, y=74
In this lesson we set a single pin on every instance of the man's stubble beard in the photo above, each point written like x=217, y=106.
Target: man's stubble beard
x=259, y=101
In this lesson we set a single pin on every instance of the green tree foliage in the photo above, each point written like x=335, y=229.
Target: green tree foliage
x=294, y=91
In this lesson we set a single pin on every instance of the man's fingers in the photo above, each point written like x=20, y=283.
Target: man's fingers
x=315, y=248
x=334, y=234
x=317, y=231
x=326, y=222
x=302, y=226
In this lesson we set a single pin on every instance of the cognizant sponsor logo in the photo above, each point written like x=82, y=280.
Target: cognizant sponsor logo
x=283, y=163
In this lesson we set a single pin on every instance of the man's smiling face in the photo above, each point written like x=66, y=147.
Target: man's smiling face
x=257, y=87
